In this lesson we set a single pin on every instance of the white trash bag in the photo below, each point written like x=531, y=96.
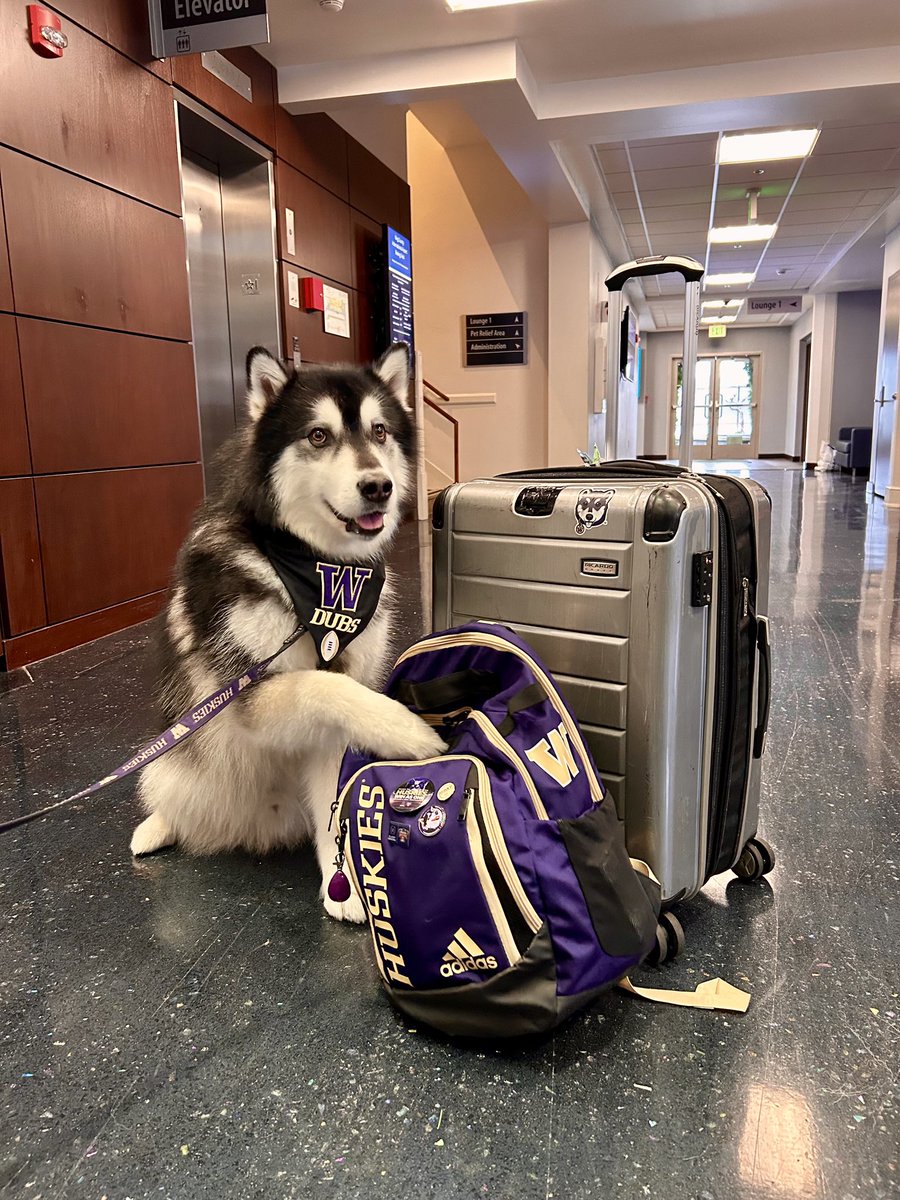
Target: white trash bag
x=826, y=458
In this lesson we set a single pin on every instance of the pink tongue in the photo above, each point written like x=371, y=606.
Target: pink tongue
x=373, y=520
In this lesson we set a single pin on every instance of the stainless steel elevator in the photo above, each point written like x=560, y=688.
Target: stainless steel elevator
x=229, y=218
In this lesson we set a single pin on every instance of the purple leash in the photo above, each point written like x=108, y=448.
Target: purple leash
x=186, y=725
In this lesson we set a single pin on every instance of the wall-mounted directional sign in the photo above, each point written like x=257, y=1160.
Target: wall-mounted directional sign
x=398, y=254
x=496, y=339
x=774, y=304
x=192, y=26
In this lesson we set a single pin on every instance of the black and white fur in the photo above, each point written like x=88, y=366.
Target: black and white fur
x=325, y=447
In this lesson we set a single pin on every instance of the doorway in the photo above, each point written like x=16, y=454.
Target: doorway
x=229, y=209
x=886, y=401
x=726, y=403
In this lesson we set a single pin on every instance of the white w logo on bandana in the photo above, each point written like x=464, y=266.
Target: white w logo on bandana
x=342, y=585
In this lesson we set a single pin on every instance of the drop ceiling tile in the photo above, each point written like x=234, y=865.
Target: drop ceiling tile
x=612, y=159
x=688, y=195
x=674, y=177
x=854, y=162
x=858, y=137
x=809, y=184
x=678, y=154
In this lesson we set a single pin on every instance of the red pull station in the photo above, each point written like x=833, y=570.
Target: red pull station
x=312, y=297
x=45, y=31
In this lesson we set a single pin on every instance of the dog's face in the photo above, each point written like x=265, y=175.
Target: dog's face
x=591, y=508
x=335, y=447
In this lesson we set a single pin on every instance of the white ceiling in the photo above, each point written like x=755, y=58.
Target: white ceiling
x=566, y=90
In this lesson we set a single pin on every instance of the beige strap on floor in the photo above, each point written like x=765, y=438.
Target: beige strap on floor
x=711, y=994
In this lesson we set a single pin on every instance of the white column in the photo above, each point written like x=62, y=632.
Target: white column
x=570, y=366
x=821, y=374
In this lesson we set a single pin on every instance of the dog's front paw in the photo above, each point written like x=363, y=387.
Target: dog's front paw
x=406, y=736
x=349, y=910
x=151, y=835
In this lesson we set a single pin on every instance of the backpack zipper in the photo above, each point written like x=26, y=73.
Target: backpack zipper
x=485, y=799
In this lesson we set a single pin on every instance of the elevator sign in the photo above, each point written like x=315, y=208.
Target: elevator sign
x=193, y=26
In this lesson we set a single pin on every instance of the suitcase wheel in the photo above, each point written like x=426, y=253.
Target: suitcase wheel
x=669, y=940
x=757, y=860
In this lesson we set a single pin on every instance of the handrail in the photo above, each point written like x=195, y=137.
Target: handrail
x=447, y=416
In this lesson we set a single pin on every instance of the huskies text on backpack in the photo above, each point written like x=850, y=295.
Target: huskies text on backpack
x=499, y=892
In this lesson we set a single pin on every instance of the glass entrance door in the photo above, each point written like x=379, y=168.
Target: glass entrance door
x=725, y=407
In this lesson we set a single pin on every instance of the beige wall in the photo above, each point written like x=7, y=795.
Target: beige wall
x=479, y=245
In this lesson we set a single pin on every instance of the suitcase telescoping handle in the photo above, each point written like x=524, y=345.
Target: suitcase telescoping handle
x=765, y=686
x=655, y=264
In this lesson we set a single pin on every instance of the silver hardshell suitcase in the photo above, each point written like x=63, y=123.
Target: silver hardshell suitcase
x=623, y=580
x=645, y=589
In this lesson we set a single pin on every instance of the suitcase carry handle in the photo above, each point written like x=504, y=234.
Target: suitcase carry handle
x=765, y=686
x=621, y=469
x=654, y=264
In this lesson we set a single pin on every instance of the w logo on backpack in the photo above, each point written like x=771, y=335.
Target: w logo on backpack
x=553, y=754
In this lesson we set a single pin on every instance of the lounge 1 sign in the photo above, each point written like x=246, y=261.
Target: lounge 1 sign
x=193, y=26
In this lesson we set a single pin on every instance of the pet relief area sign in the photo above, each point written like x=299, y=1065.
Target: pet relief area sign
x=194, y=26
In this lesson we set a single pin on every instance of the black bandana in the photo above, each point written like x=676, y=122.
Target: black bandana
x=334, y=600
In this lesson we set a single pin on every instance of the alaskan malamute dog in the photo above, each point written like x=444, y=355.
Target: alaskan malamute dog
x=324, y=465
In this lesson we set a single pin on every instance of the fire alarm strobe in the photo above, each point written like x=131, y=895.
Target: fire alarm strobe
x=45, y=30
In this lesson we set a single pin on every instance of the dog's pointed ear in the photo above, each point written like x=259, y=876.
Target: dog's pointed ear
x=393, y=371
x=266, y=378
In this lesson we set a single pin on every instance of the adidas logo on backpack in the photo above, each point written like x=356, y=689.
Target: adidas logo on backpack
x=464, y=954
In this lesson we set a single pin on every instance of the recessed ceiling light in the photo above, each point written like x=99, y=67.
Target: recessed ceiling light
x=464, y=5
x=733, y=303
x=727, y=279
x=766, y=147
x=742, y=233
x=722, y=320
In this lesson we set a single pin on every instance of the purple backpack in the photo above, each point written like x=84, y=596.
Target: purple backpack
x=499, y=892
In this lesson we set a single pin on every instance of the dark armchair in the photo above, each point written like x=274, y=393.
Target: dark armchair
x=853, y=448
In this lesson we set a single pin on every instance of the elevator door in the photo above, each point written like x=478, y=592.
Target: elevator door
x=229, y=229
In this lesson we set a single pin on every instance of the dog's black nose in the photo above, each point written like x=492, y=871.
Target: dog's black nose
x=376, y=488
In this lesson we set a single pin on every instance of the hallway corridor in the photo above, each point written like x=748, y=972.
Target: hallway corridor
x=193, y=1028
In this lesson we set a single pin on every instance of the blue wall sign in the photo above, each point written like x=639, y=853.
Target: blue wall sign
x=399, y=287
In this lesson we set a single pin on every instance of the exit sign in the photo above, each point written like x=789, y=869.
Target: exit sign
x=718, y=331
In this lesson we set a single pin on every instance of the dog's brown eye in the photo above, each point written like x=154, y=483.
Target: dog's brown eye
x=318, y=437
x=380, y=433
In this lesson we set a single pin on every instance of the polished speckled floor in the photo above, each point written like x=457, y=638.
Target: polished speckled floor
x=198, y=1029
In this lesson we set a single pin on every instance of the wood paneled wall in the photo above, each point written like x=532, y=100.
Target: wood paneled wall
x=99, y=437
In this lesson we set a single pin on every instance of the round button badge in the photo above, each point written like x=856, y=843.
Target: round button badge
x=446, y=792
x=432, y=820
x=411, y=796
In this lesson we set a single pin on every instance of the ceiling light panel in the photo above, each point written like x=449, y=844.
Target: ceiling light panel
x=730, y=279
x=767, y=147
x=742, y=233
x=466, y=5
x=722, y=304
